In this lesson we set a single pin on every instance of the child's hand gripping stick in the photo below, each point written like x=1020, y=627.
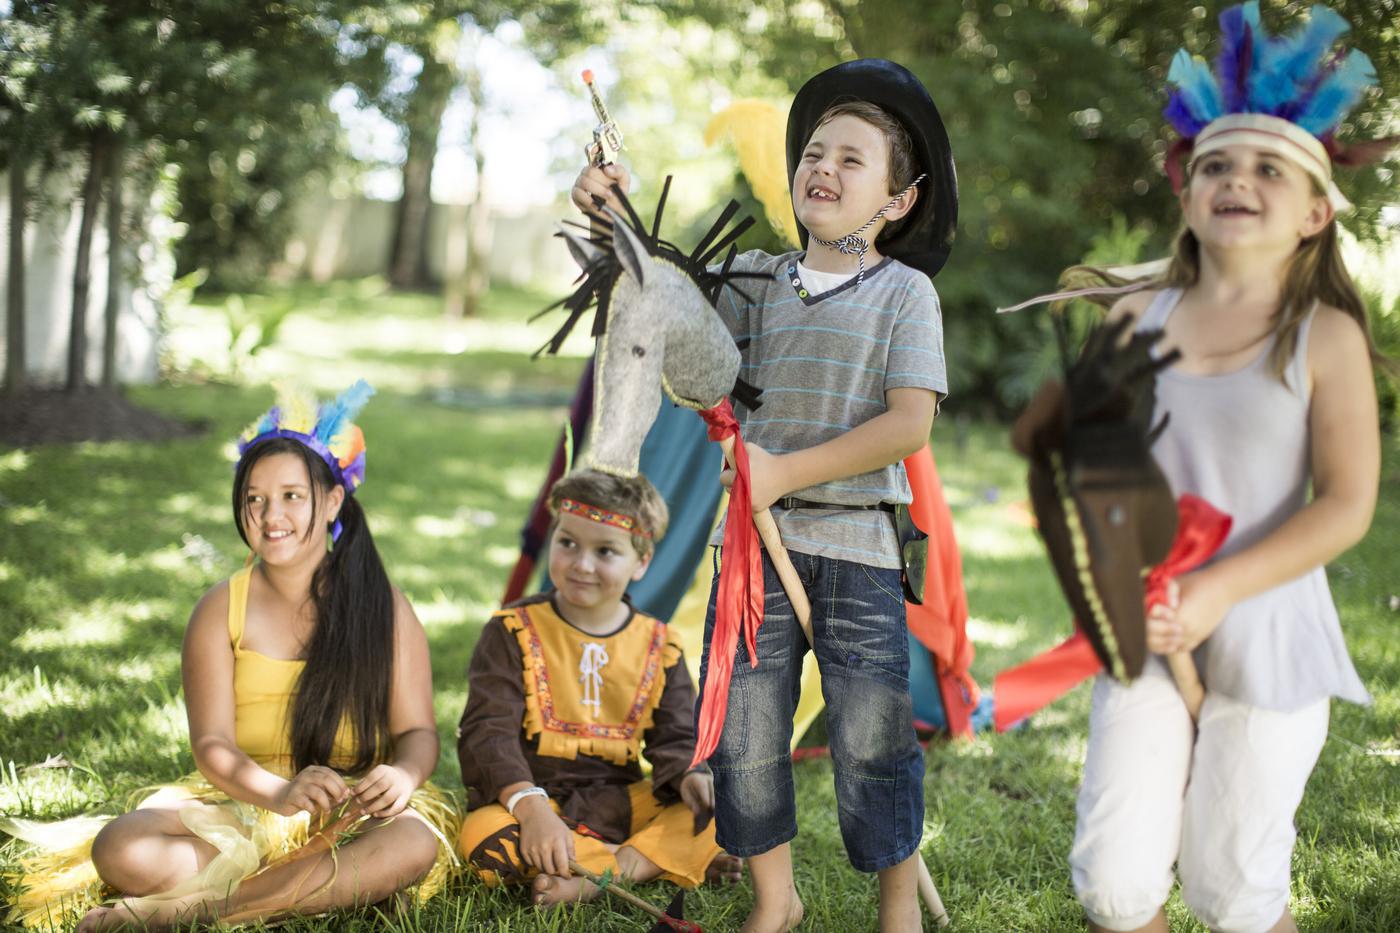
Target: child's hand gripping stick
x=773, y=543
x=1200, y=530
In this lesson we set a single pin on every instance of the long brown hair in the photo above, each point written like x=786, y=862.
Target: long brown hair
x=350, y=657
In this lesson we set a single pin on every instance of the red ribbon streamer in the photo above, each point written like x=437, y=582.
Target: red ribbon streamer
x=739, y=601
x=1200, y=530
x=1027, y=688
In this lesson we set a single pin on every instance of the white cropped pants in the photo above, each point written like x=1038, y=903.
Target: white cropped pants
x=1218, y=802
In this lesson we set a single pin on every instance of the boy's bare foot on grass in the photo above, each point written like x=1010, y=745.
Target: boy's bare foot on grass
x=725, y=869
x=775, y=918
x=552, y=890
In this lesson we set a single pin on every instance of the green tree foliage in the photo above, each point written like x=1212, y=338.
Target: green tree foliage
x=434, y=39
x=1054, y=112
x=64, y=90
x=257, y=130
x=208, y=84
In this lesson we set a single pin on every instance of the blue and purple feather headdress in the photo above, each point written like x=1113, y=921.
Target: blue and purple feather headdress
x=1297, y=88
x=327, y=429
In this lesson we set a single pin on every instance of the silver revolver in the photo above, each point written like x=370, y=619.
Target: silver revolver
x=607, y=138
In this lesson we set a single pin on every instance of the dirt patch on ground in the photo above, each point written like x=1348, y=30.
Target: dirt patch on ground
x=53, y=416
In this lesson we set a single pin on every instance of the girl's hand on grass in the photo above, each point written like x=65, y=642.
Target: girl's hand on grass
x=545, y=842
x=316, y=789
x=384, y=791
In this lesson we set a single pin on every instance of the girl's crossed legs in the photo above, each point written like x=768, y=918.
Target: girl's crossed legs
x=151, y=852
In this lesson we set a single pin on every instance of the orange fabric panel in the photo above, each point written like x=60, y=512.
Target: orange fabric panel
x=940, y=624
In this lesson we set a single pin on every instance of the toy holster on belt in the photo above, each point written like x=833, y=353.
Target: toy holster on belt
x=913, y=554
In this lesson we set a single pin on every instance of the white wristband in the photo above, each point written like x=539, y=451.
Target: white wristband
x=521, y=795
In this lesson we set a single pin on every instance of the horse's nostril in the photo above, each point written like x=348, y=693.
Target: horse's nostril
x=639, y=351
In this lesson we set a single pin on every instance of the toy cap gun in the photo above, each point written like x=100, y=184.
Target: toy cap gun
x=607, y=138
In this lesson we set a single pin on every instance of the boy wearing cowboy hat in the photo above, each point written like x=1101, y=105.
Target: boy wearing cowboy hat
x=845, y=340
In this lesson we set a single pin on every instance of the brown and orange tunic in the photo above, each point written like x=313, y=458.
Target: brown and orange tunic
x=574, y=713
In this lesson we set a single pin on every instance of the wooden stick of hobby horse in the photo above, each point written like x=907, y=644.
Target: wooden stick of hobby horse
x=797, y=595
x=1188, y=681
x=773, y=543
x=929, y=895
x=612, y=888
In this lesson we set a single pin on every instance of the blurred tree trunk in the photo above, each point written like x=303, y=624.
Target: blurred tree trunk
x=82, y=265
x=115, y=246
x=464, y=292
x=14, y=269
x=408, y=264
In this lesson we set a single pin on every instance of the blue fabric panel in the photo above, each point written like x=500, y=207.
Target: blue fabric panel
x=684, y=465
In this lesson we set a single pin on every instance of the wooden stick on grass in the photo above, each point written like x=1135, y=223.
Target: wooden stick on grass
x=929, y=895
x=610, y=886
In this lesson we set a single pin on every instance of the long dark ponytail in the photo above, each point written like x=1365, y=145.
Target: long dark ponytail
x=350, y=658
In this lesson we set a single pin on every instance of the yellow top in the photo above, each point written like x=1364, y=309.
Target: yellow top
x=263, y=688
x=590, y=694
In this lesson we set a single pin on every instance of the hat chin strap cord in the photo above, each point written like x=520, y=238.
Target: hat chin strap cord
x=853, y=244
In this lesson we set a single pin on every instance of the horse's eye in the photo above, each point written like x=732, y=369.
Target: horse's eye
x=639, y=351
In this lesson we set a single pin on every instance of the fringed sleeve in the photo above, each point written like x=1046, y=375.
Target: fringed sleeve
x=670, y=740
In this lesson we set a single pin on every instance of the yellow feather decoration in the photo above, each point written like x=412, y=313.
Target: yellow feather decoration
x=756, y=129
x=296, y=408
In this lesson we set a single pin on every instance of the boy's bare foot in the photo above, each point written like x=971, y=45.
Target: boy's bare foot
x=552, y=890
x=725, y=869
x=776, y=918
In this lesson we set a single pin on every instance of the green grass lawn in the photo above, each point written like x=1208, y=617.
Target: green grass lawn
x=104, y=548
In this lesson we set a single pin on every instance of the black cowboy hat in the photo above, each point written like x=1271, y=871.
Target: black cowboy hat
x=926, y=236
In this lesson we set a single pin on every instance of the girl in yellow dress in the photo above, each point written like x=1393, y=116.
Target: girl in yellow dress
x=309, y=695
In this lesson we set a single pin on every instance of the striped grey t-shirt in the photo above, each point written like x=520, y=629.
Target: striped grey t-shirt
x=824, y=363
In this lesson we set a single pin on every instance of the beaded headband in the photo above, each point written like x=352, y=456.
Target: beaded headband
x=603, y=516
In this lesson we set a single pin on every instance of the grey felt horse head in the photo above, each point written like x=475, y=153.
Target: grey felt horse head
x=657, y=329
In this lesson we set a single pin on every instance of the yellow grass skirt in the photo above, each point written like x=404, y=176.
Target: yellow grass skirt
x=57, y=882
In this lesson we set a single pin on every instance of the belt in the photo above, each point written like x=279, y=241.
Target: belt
x=792, y=502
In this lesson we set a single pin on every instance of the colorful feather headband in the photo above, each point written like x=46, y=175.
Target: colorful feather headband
x=327, y=429
x=1285, y=94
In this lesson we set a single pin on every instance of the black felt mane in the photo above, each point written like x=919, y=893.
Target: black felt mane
x=596, y=281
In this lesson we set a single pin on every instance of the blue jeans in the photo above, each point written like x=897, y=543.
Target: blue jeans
x=863, y=655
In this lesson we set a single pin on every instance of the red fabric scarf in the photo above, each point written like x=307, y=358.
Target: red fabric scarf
x=739, y=601
x=1022, y=690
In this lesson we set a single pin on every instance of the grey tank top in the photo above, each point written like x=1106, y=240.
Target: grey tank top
x=1239, y=440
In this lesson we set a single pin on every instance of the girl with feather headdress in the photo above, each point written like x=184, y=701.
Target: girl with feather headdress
x=1272, y=395
x=309, y=695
